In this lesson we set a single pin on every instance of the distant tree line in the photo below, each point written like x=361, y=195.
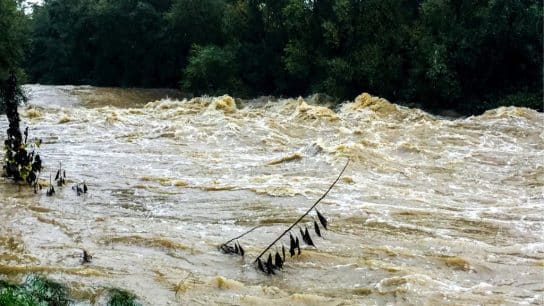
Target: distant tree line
x=457, y=54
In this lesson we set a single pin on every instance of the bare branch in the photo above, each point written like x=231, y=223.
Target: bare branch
x=305, y=214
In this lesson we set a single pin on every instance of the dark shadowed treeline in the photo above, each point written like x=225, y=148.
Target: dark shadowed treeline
x=12, y=43
x=462, y=54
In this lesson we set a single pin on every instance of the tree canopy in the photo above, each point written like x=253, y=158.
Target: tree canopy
x=459, y=54
x=13, y=40
x=12, y=26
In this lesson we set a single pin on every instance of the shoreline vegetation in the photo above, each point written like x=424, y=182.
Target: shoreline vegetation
x=432, y=54
x=37, y=290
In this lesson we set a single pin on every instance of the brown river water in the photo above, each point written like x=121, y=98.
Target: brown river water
x=430, y=211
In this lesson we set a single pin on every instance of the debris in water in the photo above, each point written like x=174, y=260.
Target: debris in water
x=293, y=246
x=60, y=178
x=269, y=265
x=322, y=219
x=80, y=188
x=305, y=235
x=316, y=228
x=86, y=258
x=260, y=264
x=288, y=158
x=237, y=248
x=51, y=190
x=278, y=261
x=307, y=238
x=294, y=242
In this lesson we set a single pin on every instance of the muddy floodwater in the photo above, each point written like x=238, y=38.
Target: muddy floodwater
x=430, y=211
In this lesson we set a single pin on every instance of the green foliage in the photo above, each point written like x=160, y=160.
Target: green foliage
x=122, y=298
x=196, y=22
x=477, y=50
x=16, y=296
x=105, y=42
x=12, y=39
x=520, y=99
x=22, y=162
x=437, y=53
x=210, y=70
x=47, y=291
x=39, y=291
x=36, y=291
x=54, y=42
x=13, y=33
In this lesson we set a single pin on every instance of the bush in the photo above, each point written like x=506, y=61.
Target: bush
x=39, y=291
x=122, y=298
x=35, y=291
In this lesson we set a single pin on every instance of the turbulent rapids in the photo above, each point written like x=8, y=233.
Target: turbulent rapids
x=431, y=210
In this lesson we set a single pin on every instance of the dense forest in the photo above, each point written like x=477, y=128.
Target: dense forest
x=438, y=54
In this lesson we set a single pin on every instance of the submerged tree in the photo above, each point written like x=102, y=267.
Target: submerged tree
x=21, y=162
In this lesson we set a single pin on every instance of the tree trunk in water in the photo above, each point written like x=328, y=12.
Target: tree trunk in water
x=14, y=141
x=21, y=165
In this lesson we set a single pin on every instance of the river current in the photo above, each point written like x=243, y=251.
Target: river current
x=430, y=211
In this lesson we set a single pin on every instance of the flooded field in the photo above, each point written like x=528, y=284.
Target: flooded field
x=430, y=211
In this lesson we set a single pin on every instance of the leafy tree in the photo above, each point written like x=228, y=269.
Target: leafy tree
x=104, y=42
x=12, y=43
x=342, y=46
x=20, y=163
x=469, y=51
x=61, y=44
x=125, y=40
x=256, y=30
x=210, y=70
x=194, y=22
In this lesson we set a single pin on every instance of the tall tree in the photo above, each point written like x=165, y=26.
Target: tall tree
x=12, y=43
x=62, y=49
x=12, y=38
x=20, y=164
x=126, y=42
